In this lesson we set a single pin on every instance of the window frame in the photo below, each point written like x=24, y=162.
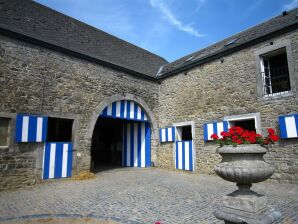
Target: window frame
x=179, y=132
x=11, y=129
x=193, y=127
x=241, y=117
x=72, y=127
x=259, y=55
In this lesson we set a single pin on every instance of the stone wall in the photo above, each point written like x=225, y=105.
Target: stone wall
x=36, y=80
x=225, y=88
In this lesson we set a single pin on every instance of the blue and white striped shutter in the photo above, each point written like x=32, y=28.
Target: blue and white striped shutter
x=125, y=109
x=31, y=128
x=57, y=160
x=214, y=128
x=136, y=145
x=184, y=155
x=288, y=125
x=167, y=134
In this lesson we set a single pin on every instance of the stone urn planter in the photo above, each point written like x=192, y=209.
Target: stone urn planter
x=244, y=165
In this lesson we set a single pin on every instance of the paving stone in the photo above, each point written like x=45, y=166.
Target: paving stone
x=131, y=195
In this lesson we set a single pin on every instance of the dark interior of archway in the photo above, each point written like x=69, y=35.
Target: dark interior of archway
x=106, y=148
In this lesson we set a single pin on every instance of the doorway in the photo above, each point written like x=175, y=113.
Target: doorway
x=107, y=140
x=121, y=137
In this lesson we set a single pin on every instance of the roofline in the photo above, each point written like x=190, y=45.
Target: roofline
x=94, y=28
x=37, y=41
x=227, y=51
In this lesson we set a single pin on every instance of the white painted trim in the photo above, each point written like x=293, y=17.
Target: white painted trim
x=193, y=127
x=286, y=46
x=255, y=116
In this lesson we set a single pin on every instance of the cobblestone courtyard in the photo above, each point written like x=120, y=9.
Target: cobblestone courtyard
x=128, y=195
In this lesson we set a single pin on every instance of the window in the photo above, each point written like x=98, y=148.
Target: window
x=184, y=131
x=248, y=124
x=59, y=130
x=4, y=131
x=275, y=73
x=275, y=70
x=251, y=122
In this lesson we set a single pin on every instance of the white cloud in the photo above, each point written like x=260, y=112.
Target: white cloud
x=291, y=5
x=173, y=20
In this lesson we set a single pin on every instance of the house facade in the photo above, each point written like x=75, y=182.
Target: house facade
x=75, y=98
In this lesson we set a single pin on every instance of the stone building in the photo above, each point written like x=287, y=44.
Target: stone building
x=73, y=97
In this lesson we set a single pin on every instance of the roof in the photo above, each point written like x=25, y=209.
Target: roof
x=41, y=23
x=33, y=22
x=285, y=21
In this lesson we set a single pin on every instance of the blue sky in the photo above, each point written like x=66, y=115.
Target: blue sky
x=171, y=28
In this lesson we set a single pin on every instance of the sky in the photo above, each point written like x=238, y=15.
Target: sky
x=171, y=28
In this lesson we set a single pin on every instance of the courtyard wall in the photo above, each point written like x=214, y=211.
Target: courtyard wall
x=226, y=87
x=36, y=80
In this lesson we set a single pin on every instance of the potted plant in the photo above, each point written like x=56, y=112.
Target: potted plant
x=242, y=162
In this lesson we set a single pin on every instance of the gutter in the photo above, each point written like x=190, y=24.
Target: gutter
x=227, y=51
x=24, y=37
x=175, y=71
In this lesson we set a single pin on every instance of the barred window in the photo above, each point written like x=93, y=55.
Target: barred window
x=275, y=73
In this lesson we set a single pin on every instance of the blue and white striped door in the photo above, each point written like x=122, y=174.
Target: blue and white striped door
x=57, y=160
x=125, y=109
x=136, y=145
x=184, y=155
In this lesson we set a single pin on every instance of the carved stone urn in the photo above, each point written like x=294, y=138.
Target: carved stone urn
x=244, y=165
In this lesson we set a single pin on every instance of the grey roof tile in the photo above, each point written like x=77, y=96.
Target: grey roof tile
x=255, y=32
x=40, y=22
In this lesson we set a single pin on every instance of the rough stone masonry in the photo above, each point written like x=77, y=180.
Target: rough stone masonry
x=53, y=65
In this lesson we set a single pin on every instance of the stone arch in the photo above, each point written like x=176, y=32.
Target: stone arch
x=142, y=103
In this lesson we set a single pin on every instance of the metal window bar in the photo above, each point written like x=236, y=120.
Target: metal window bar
x=276, y=81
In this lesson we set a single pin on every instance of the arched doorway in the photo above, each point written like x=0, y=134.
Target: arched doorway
x=121, y=137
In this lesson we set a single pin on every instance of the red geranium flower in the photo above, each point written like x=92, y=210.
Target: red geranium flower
x=225, y=134
x=214, y=136
x=274, y=138
x=237, y=135
x=270, y=131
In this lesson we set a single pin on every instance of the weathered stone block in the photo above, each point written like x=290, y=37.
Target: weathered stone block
x=246, y=203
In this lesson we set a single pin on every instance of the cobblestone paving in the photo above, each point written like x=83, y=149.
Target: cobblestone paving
x=130, y=195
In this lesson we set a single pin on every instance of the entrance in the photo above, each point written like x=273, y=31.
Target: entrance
x=106, y=149
x=121, y=137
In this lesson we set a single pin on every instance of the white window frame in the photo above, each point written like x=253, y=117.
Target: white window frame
x=178, y=138
x=259, y=58
x=242, y=117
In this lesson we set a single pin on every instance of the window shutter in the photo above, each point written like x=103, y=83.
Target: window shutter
x=167, y=134
x=30, y=128
x=288, y=125
x=214, y=128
